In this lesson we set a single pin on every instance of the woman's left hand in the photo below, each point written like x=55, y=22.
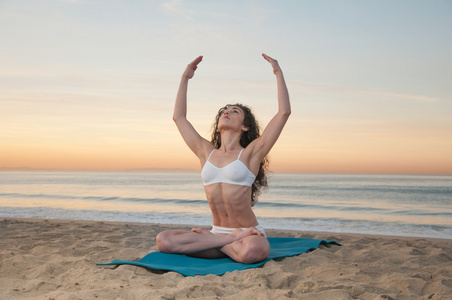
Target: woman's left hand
x=273, y=62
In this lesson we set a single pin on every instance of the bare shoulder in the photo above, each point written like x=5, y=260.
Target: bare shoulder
x=251, y=156
x=206, y=149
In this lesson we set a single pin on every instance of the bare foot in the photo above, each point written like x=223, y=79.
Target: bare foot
x=240, y=234
x=200, y=230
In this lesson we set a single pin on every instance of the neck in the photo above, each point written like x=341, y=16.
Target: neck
x=230, y=141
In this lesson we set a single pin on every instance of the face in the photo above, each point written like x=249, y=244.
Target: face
x=232, y=116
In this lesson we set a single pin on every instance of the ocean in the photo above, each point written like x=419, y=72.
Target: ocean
x=418, y=206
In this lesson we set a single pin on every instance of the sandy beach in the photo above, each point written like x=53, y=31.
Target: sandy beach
x=56, y=259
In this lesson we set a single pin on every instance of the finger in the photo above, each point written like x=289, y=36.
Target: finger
x=197, y=60
x=268, y=58
x=256, y=232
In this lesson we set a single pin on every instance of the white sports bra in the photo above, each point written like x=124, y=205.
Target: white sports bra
x=234, y=173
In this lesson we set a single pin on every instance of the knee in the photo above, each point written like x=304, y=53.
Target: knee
x=163, y=241
x=254, y=253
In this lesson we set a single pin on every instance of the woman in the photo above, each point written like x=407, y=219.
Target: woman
x=230, y=164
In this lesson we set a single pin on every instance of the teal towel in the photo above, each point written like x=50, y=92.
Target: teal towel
x=191, y=266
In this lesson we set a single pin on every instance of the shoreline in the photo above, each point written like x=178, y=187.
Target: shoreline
x=50, y=258
x=189, y=226
x=366, y=227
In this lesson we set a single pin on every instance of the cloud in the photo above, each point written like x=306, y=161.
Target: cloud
x=75, y=1
x=361, y=93
x=174, y=7
x=409, y=97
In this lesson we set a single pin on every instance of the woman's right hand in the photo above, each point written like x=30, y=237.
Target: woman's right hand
x=190, y=70
x=273, y=62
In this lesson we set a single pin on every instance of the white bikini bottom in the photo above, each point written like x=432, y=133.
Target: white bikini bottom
x=227, y=230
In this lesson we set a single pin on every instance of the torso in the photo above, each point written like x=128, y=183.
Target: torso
x=229, y=201
x=230, y=205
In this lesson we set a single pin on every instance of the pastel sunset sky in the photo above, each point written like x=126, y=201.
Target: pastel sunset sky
x=90, y=84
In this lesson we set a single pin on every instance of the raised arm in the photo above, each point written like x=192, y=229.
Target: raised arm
x=271, y=133
x=188, y=132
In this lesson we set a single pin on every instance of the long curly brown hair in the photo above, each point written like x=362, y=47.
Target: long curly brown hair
x=247, y=137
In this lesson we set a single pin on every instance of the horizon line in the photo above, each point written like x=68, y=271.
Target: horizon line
x=184, y=170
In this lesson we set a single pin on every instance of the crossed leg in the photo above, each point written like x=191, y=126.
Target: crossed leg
x=245, y=246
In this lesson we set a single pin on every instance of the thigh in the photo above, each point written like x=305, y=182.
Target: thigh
x=166, y=239
x=211, y=253
x=254, y=248
x=168, y=234
x=178, y=241
x=258, y=246
x=256, y=242
x=250, y=249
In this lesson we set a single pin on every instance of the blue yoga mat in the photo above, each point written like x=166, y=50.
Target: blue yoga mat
x=192, y=266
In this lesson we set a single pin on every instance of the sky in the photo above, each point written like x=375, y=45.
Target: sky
x=91, y=84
